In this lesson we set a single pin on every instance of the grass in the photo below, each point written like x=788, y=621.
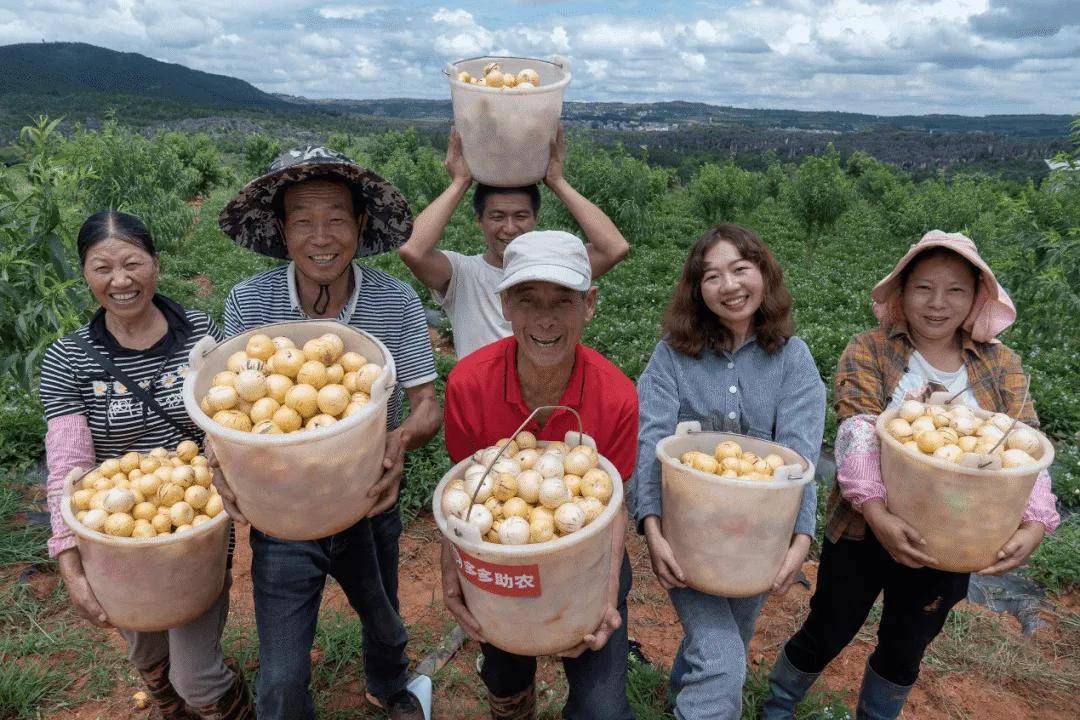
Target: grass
x=1056, y=562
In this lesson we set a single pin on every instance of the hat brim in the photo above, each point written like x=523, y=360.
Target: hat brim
x=546, y=273
x=249, y=217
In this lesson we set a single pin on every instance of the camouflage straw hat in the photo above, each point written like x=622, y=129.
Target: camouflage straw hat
x=249, y=217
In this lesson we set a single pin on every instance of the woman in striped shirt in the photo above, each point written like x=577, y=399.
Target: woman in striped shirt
x=729, y=361
x=93, y=416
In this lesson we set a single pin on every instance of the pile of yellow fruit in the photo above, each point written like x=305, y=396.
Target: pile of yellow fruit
x=273, y=387
x=142, y=495
x=729, y=460
x=954, y=432
x=494, y=77
x=532, y=494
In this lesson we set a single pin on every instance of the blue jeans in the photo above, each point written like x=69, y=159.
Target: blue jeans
x=288, y=579
x=597, y=680
x=710, y=666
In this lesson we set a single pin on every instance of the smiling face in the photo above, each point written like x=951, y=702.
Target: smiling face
x=122, y=276
x=505, y=216
x=547, y=320
x=937, y=296
x=321, y=228
x=732, y=287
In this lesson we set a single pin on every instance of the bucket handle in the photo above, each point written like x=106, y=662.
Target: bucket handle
x=464, y=530
x=583, y=439
x=562, y=62
x=199, y=352
x=687, y=427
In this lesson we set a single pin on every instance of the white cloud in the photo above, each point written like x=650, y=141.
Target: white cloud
x=694, y=61
x=457, y=18
x=322, y=44
x=347, y=12
x=623, y=37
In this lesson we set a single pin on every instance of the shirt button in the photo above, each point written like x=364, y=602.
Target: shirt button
x=731, y=416
x=733, y=390
x=730, y=365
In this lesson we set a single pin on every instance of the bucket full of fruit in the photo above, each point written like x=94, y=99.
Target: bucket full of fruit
x=152, y=535
x=507, y=111
x=296, y=413
x=531, y=527
x=730, y=503
x=961, y=476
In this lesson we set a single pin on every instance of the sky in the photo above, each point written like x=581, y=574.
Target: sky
x=886, y=57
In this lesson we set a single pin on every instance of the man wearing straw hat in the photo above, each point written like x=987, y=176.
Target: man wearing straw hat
x=318, y=209
x=547, y=295
x=465, y=284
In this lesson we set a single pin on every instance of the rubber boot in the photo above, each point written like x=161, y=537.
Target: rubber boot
x=235, y=704
x=880, y=699
x=163, y=696
x=787, y=686
x=521, y=706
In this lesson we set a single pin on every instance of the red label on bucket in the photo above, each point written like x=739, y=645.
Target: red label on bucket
x=509, y=580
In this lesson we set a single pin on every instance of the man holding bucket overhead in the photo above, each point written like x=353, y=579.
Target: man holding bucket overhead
x=465, y=284
x=546, y=295
x=319, y=209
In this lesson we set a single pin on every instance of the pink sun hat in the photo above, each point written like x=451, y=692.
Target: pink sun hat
x=991, y=313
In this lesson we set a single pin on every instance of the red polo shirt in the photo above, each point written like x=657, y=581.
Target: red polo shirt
x=484, y=404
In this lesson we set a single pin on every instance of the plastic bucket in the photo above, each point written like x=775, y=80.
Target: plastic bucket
x=506, y=134
x=535, y=599
x=728, y=535
x=308, y=484
x=151, y=584
x=964, y=514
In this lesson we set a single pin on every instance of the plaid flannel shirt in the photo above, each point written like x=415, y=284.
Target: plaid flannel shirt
x=870, y=369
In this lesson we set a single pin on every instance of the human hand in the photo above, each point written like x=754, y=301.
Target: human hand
x=387, y=487
x=793, y=561
x=228, y=497
x=455, y=160
x=900, y=540
x=1014, y=552
x=78, y=588
x=556, y=159
x=662, y=557
x=453, y=598
x=597, y=639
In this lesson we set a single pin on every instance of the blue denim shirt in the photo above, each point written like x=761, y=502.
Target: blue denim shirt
x=777, y=397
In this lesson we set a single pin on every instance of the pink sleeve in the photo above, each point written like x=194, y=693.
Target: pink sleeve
x=858, y=463
x=67, y=445
x=1042, y=504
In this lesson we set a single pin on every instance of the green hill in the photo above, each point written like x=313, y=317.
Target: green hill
x=72, y=69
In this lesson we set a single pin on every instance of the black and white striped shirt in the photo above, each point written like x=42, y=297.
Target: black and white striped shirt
x=74, y=384
x=382, y=305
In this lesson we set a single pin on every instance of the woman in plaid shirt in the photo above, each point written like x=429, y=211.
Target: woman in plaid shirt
x=940, y=311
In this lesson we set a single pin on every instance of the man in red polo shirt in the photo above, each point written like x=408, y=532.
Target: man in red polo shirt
x=548, y=299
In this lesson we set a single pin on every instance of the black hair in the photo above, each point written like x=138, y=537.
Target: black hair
x=938, y=252
x=483, y=191
x=358, y=203
x=115, y=225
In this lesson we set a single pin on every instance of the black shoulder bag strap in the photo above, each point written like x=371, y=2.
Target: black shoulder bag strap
x=137, y=390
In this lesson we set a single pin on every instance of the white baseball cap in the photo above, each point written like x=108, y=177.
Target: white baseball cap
x=547, y=255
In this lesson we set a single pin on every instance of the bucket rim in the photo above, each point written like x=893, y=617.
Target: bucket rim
x=517, y=552
x=559, y=84
x=386, y=380
x=1045, y=460
x=673, y=463
x=84, y=533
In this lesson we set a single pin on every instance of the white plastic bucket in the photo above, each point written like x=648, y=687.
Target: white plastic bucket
x=728, y=535
x=151, y=584
x=964, y=514
x=506, y=133
x=308, y=484
x=559, y=587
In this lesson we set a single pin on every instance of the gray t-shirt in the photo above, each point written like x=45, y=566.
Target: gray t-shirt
x=471, y=303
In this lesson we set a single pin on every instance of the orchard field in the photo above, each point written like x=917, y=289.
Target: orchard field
x=836, y=224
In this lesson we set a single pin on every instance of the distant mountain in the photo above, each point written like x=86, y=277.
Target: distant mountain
x=661, y=116
x=65, y=69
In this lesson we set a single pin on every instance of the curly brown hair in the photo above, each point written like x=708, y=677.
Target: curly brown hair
x=689, y=325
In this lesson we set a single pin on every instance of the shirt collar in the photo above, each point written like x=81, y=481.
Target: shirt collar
x=899, y=330
x=572, y=396
x=346, y=312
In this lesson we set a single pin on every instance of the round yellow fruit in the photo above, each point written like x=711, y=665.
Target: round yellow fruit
x=119, y=524
x=161, y=523
x=288, y=419
x=569, y=518
x=80, y=500
x=197, y=496
x=505, y=486
x=899, y=428
x=233, y=419
x=214, y=505
x=110, y=467
x=333, y=399
x=260, y=347
x=352, y=361
x=266, y=427
x=181, y=513
x=187, y=450
x=1015, y=457
x=541, y=529
x=221, y=397
x=250, y=385
x=118, y=500
x=320, y=421
x=143, y=529
x=1023, y=439
x=335, y=374
x=288, y=361
x=598, y=484
x=169, y=494
x=144, y=511
x=130, y=461
x=312, y=373
x=237, y=361
x=528, y=75
x=263, y=409
x=930, y=441
x=514, y=530
x=320, y=351
x=302, y=398
x=276, y=387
